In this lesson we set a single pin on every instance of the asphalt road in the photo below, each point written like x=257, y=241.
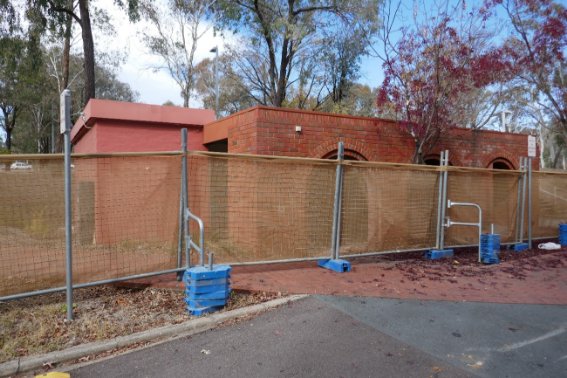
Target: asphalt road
x=363, y=337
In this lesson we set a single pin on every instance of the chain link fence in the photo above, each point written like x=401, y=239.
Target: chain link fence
x=255, y=209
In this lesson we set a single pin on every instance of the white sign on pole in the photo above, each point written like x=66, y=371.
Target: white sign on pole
x=531, y=146
x=65, y=111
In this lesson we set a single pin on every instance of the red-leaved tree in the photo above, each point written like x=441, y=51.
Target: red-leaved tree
x=536, y=47
x=428, y=72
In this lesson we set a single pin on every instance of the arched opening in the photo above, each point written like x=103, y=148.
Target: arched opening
x=501, y=163
x=348, y=155
x=433, y=160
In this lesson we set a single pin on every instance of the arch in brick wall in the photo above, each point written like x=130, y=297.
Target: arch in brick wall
x=434, y=159
x=349, y=155
x=503, y=157
x=355, y=149
x=500, y=163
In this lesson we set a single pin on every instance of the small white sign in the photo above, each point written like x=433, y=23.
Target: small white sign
x=531, y=146
x=65, y=111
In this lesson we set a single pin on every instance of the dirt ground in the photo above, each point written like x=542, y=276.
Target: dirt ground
x=38, y=325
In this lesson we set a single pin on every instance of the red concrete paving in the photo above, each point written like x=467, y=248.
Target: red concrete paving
x=533, y=278
x=536, y=280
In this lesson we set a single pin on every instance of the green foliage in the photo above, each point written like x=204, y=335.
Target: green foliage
x=174, y=37
x=233, y=95
x=33, y=91
x=8, y=18
x=301, y=46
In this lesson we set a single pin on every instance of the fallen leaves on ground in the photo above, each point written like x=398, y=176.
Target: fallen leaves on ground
x=38, y=325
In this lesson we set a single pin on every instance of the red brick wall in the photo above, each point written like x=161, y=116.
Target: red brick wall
x=117, y=136
x=271, y=131
x=243, y=132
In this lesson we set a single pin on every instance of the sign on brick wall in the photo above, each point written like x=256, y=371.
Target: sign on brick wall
x=531, y=146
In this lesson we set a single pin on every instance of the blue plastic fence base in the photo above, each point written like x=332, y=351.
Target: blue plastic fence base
x=336, y=265
x=221, y=294
x=519, y=247
x=198, y=273
x=490, y=248
x=206, y=290
x=563, y=234
x=203, y=310
x=205, y=303
x=436, y=254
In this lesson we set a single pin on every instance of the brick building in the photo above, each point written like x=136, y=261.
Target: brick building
x=290, y=132
x=110, y=126
x=234, y=192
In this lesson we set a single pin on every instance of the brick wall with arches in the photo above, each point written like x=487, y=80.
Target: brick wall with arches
x=291, y=132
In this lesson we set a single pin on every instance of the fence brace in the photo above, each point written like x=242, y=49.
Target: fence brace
x=479, y=224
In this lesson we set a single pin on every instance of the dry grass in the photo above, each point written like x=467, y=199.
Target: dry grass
x=38, y=325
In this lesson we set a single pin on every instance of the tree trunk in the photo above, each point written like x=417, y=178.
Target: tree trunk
x=185, y=94
x=558, y=154
x=9, y=139
x=9, y=123
x=88, y=51
x=66, y=50
x=65, y=66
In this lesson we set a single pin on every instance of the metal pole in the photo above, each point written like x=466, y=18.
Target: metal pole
x=479, y=233
x=88, y=284
x=444, y=202
x=339, y=215
x=52, y=144
x=439, y=203
x=65, y=128
x=180, y=230
x=337, y=203
x=211, y=257
x=184, y=190
x=216, y=78
x=530, y=203
x=217, y=94
x=181, y=219
x=479, y=224
x=519, y=200
x=523, y=201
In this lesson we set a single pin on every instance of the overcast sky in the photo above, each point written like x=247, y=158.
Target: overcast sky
x=154, y=87
x=157, y=87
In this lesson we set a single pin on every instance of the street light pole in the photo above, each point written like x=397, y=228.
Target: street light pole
x=216, y=75
x=504, y=122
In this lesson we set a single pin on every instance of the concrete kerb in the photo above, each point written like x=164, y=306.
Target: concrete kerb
x=187, y=328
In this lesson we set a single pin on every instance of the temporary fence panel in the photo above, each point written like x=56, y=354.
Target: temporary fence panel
x=255, y=209
x=124, y=220
x=549, y=191
x=263, y=209
x=32, y=219
x=125, y=212
x=495, y=191
x=388, y=207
